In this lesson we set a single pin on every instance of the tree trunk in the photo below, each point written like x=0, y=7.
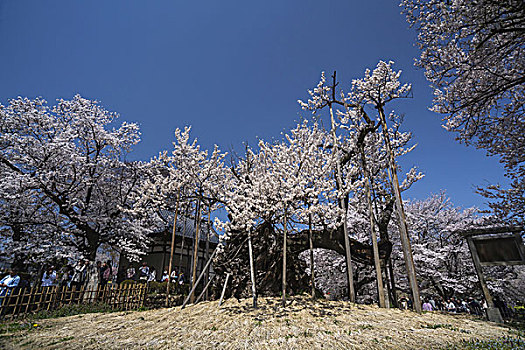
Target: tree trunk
x=268, y=257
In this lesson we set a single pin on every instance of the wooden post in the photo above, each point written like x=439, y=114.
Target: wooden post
x=493, y=313
x=207, y=250
x=372, y=222
x=172, y=247
x=342, y=203
x=204, y=290
x=31, y=292
x=196, y=250
x=392, y=282
x=403, y=231
x=183, y=236
x=284, y=257
x=252, y=269
x=192, y=291
x=224, y=288
x=311, y=241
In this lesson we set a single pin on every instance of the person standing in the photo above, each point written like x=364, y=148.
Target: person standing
x=144, y=272
x=433, y=303
x=174, y=276
x=451, y=307
x=49, y=277
x=165, y=276
x=106, y=273
x=130, y=273
x=427, y=306
x=79, y=275
x=152, y=274
x=7, y=284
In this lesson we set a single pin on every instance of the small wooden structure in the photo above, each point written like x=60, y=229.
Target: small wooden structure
x=494, y=246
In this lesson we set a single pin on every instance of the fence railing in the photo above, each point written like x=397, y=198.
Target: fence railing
x=20, y=302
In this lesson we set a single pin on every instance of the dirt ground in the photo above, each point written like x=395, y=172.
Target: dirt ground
x=301, y=325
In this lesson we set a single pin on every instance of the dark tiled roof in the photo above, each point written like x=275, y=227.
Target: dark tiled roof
x=186, y=227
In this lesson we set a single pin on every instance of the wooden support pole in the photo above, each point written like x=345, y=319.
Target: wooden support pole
x=392, y=278
x=172, y=248
x=207, y=251
x=284, y=258
x=204, y=290
x=372, y=222
x=252, y=269
x=403, y=230
x=311, y=241
x=183, y=237
x=192, y=291
x=493, y=313
x=196, y=249
x=342, y=203
x=224, y=288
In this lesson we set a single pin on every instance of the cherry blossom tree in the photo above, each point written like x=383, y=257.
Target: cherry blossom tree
x=362, y=111
x=443, y=256
x=275, y=191
x=65, y=172
x=473, y=54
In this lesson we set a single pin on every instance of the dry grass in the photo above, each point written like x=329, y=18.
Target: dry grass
x=301, y=325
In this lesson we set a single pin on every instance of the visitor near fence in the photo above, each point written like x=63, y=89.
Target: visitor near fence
x=79, y=275
x=165, y=276
x=152, y=275
x=174, y=276
x=130, y=273
x=144, y=272
x=8, y=283
x=106, y=273
x=49, y=277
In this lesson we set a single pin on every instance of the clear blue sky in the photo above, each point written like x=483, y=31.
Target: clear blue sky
x=231, y=69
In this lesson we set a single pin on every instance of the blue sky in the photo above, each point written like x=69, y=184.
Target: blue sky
x=231, y=69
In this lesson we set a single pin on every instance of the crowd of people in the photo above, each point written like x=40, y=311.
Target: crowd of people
x=454, y=305
x=89, y=275
x=84, y=273
x=147, y=273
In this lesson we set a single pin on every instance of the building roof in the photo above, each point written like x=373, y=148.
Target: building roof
x=186, y=227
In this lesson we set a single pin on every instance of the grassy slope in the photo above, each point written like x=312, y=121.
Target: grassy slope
x=301, y=325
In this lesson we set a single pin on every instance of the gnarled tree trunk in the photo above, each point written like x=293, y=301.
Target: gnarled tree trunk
x=267, y=252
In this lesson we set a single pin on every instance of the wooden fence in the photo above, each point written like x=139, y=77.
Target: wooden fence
x=23, y=301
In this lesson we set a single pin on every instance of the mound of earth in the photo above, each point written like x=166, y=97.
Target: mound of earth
x=302, y=324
